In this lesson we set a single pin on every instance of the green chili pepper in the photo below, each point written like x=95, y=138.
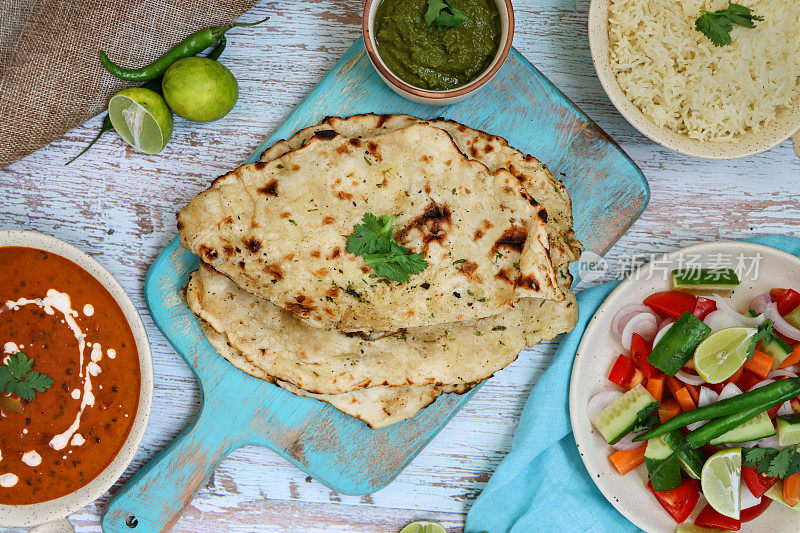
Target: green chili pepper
x=720, y=426
x=216, y=52
x=104, y=128
x=761, y=399
x=196, y=42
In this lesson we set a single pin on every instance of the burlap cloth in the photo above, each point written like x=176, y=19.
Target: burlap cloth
x=51, y=79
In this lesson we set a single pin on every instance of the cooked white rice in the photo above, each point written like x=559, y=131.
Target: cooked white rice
x=680, y=80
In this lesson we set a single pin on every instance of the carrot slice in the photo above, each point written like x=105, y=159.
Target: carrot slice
x=674, y=384
x=791, y=490
x=685, y=400
x=627, y=460
x=669, y=409
x=793, y=358
x=655, y=386
x=761, y=364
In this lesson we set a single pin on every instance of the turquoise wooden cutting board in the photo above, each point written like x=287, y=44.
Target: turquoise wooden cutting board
x=608, y=193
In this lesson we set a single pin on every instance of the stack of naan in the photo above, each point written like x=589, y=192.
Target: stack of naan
x=281, y=298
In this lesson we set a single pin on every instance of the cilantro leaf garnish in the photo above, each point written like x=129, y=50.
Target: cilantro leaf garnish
x=16, y=377
x=764, y=333
x=373, y=241
x=717, y=25
x=443, y=14
x=647, y=417
x=771, y=462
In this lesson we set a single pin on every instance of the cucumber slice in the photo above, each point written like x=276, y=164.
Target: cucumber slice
x=793, y=317
x=663, y=468
x=690, y=459
x=758, y=427
x=779, y=350
x=788, y=430
x=617, y=420
x=678, y=344
x=705, y=279
x=776, y=493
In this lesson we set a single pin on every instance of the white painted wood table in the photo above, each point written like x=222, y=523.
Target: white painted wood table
x=120, y=207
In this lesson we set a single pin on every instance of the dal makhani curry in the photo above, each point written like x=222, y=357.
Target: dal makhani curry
x=70, y=376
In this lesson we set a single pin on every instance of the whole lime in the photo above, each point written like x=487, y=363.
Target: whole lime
x=141, y=117
x=200, y=89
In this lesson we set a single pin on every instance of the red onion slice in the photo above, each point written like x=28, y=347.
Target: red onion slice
x=625, y=314
x=626, y=442
x=645, y=324
x=707, y=396
x=719, y=320
x=729, y=391
x=723, y=305
x=689, y=378
x=771, y=442
x=781, y=373
x=600, y=401
x=759, y=303
x=786, y=409
x=779, y=323
x=661, y=333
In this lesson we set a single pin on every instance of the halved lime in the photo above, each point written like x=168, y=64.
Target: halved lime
x=423, y=526
x=720, y=481
x=719, y=356
x=141, y=117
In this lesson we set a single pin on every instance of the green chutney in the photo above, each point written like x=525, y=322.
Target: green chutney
x=432, y=58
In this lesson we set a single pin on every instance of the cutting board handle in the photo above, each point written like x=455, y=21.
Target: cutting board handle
x=157, y=494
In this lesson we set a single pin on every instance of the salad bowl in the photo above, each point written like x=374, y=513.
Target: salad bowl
x=760, y=268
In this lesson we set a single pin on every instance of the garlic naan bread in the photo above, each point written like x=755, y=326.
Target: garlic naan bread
x=491, y=150
x=331, y=362
x=278, y=229
x=377, y=406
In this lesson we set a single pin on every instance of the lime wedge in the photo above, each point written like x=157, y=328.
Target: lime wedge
x=719, y=356
x=720, y=481
x=423, y=526
x=141, y=117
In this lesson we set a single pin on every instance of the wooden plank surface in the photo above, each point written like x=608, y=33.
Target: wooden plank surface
x=119, y=206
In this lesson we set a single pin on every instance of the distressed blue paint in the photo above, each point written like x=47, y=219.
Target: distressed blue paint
x=608, y=192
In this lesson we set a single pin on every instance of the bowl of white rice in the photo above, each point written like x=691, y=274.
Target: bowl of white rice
x=680, y=90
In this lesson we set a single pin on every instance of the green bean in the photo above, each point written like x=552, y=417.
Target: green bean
x=194, y=43
x=763, y=398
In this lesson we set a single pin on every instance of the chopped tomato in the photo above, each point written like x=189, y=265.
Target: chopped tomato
x=776, y=294
x=747, y=381
x=627, y=460
x=622, y=371
x=787, y=302
x=680, y=502
x=703, y=307
x=791, y=490
x=640, y=349
x=636, y=379
x=655, y=386
x=757, y=483
x=751, y=513
x=669, y=409
x=671, y=303
x=708, y=517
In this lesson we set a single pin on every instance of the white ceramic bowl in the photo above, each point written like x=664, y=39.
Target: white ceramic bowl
x=786, y=125
x=599, y=347
x=39, y=513
x=424, y=96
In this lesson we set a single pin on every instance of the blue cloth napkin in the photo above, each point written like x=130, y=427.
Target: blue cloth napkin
x=542, y=484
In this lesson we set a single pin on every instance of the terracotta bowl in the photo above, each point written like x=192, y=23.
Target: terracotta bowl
x=59, y=508
x=786, y=125
x=424, y=96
